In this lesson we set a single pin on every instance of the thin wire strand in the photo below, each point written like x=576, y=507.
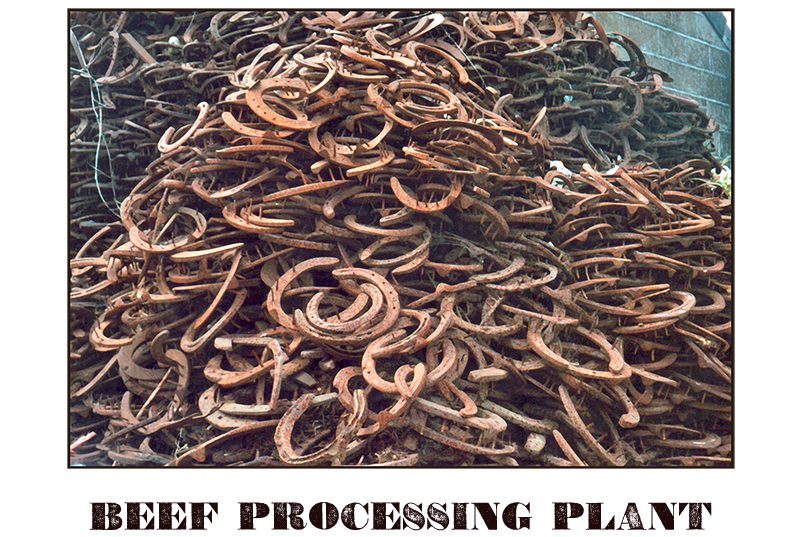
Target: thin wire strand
x=97, y=109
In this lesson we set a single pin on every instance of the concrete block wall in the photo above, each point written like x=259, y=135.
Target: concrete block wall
x=694, y=48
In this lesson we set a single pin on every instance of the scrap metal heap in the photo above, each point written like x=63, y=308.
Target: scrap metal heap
x=400, y=238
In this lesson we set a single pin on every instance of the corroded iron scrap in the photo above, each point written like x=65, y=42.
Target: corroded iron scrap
x=392, y=238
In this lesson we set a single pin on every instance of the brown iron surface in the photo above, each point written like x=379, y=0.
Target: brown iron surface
x=372, y=238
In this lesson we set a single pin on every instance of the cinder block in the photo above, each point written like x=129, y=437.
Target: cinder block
x=719, y=61
x=685, y=78
x=665, y=64
x=612, y=21
x=662, y=18
x=723, y=141
x=659, y=63
x=705, y=31
x=636, y=14
x=701, y=101
x=687, y=22
x=717, y=88
x=682, y=49
x=721, y=114
x=644, y=35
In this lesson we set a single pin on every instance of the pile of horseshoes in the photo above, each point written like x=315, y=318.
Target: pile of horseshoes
x=400, y=238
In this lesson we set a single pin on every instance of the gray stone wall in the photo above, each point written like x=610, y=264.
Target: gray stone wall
x=694, y=48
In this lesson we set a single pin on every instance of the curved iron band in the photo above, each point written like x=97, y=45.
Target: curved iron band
x=385, y=107
x=214, y=372
x=717, y=305
x=536, y=342
x=445, y=369
x=463, y=446
x=398, y=345
x=129, y=355
x=584, y=432
x=335, y=449
x=353, y=317
x=411, y=50
x=272, y=303
x=489, y=139
x=240, y=128
x=351, y=223
x=252, y=224
x=408, y=393
x=239, y=187
x=191, y=344
x=641, y=328
x=163, y=144
x=524, y=282
x=329, y=207
x=646, y=307
x=198, y=453
x=419, y=251
x=362, y=337
x=497, y=219
x=515, y=266
x=490, y=331
x=256, y=103
x=140, y=241
x=209, y=407
x=392, y=343
x=408, y=199
x=688, y=302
